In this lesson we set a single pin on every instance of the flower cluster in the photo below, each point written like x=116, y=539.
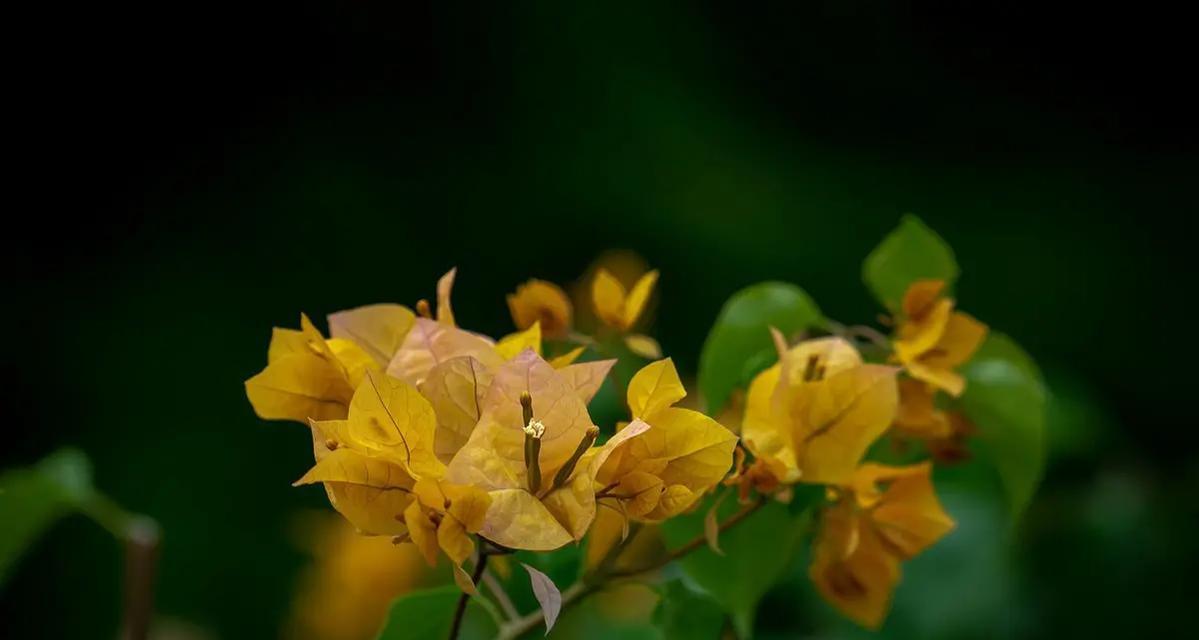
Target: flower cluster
x=463, y=445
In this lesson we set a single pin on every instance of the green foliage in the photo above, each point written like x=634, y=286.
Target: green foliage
x=911, y=252
x=427, y=614
x=757, y=553
x=1006, y=398
x=32, y=499
x=742, y=333
x=686, y=613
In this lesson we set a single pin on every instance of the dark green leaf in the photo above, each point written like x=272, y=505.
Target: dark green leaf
x=32, y=499
x=686, y=613
x=1006, y=398
x=757, y=550
x=426, y=615
x=742, y=332
x=911, y=252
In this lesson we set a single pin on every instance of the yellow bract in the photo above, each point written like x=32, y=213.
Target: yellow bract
x=370, y=461
x=307, y=376
x=932, y=339
x=509, y=346
x=663, y=471
x=918, y=415
x=444, y=516
x=613, y=305
x=869, y=531
x=379, y=329
x=811, y=417
x=494, y=458
x=538, y=301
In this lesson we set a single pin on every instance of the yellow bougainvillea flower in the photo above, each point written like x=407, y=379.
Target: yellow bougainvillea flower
x=445, y=287
x=444, y=516
x=379, y=329
x=811, y=417
x=347, y=589
x=918, y=415
x=531, y=451
x=307, y=376
x=883, y=516
x=932, y=339
x=613, y=305
x=663, y=471
x=370, y=462
x=538, y=301
x=430, y=343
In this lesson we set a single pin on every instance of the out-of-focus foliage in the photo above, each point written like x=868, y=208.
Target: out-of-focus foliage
x=32, y=499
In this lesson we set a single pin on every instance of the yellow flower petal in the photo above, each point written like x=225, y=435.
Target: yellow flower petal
x=379, y=329
x=839, y=418
x=917, y=414
x=445, y=287
x=917, y=336
x=908, y=515
x=422, y=531
x=641, y=492
x=920, y=298
x=643, y=345
x=390, y=418
x=518, y=520
x=861, y=583
x=567, y=358
x=544, y=302
x=608, y=297
x=455, y=388
x=586, y=378
x=573, y=505
x=454, y=541
x=510, y=345
x=637, y=299
x=430, y=343
x=468, y=505
x=655, y=387
x=493, y=458
x=962, y=337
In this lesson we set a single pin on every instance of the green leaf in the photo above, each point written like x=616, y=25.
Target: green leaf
x=1006, y=399
x=742, y=332
x=757, y=551
x=427, y=615
x=911, y=252
x=32, y=499
x=686, y=613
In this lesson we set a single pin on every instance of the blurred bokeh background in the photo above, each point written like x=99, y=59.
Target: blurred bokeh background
x=201, y=172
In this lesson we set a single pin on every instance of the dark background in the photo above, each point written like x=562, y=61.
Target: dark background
x=190, y=174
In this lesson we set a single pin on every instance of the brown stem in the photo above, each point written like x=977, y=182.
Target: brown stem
x=460, y=612
x=584, y=588
x=694, y=544
x=141, y=561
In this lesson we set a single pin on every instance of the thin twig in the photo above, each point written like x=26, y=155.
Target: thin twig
x=460, y=612
x=696, y=543
x=140, y=536
x=586, y=587
x=501, y=596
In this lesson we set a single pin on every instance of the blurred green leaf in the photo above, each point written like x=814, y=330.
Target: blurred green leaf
x=427, y=614
x=685, y=613
x=911, y=252
x=742, y=332
x=1006, y=399
x=32, y=499
x=757, y=551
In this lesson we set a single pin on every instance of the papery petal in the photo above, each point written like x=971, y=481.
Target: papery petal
x=454, y=541
x=544, y=302
x=573, y=505
x=643, y=345
x=947, y=380
x=518, y=520
x=567, y=359
x=500, y=437
x=838, y=418
x=587, y=377
x=608, y=298
x=861, y=583
x=917, y=414
x=379, y=329
x=468, y=505
x=655, y=387
x=430, y=343
x=422, y=531
x=445, y=288
x=390, y=417
x=908, y=516
x=920, y=298
x=918, y=336
x=298, y=387
x=963, y=336
x=641, y=492
x=638, y=297
x=512, y=344
x=455, y=388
